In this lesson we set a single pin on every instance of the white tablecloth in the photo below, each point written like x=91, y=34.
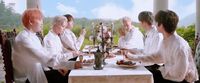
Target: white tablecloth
x=87, y=47
x=111, y=73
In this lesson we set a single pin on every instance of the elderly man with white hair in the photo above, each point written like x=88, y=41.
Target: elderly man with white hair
x=53, y=44
x=133, y=38
x=52, y=41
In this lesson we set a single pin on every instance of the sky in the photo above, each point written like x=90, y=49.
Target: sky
x=105, y=9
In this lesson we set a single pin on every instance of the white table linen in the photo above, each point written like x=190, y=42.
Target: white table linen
x=111, y=73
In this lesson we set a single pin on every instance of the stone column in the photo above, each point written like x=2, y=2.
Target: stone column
x=197, y=33
x=197, y=18
x=33, y=4
x=159, y=5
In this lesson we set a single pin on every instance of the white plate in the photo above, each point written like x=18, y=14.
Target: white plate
x=87, y=64
x=127, y=66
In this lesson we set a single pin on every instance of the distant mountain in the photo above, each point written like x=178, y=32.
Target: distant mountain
x=188, y=20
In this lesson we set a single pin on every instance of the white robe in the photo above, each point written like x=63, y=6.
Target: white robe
x=176, y=55
x=70, y=41
x=197, y=57
x=152, y=41
x=29, y=57
x=53, y=44
x=133, y=39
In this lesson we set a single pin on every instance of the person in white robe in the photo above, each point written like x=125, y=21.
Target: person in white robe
x=69, y=39
x=29, y=56
x=197, y=58
x=52, y=40
x=133, y=38
x=121, y=37
x=152, y=39
x=175, y=53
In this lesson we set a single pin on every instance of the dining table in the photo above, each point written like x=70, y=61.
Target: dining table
x=111, y=72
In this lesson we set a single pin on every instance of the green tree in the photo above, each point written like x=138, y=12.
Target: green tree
x=188, y=33
x=8, y=18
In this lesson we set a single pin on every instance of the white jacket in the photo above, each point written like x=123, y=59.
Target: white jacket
x=70, y=41
x=53, y=44
x=152, y=41
x=29, y=57
x=177, y=57
x=133, y=39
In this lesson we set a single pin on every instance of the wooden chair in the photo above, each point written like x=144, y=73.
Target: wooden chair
x=6, y=41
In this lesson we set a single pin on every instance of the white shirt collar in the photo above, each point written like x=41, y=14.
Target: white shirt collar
x=68, y=31
x=30, y=32
x=170, y=37
x=53, y=32
x=150, y=31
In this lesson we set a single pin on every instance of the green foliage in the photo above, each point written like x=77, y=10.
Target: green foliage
x=46, y=28
x=10, y=20
x=188, y=33
x=76, y=29
x=7, y=17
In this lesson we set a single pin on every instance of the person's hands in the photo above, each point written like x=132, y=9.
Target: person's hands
x=129, y=56
x=78, y=65
x=125, y=54
x=134, y=51
x=77, y=53
x=83, y=32
x=63, y=71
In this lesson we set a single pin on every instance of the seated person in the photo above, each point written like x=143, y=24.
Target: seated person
x=68, y=38
x=121, y=36
x=133, y=38
x=197, y=58
x=29, y=56
x=52, y=41
x=152, y=38
x=175, y=53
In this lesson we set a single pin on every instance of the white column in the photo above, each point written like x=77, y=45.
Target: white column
x=197, y=36
x=197, y=18
x=160, y=5
x=33, y=4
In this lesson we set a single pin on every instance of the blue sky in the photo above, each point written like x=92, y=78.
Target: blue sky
x=79, y=8
x=106, y=9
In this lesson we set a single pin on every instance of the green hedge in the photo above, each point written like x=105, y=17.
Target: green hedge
x=188, y=33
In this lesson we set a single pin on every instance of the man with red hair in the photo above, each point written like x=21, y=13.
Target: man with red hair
x=29, y=56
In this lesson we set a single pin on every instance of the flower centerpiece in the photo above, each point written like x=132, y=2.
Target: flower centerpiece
x=103, y=36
